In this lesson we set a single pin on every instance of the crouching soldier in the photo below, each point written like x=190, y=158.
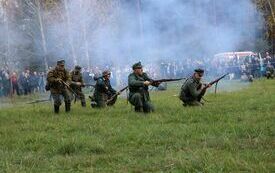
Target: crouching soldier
x=191, y=91
x=138, y=83
x=56, y=78
x=103, y=91
x=77, y=84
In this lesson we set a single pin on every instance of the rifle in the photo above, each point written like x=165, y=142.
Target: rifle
x=39, y=101
x=203, y=90
x=70, y=89
x=87, y=85
x=166, y=80
x=215, y=81
x=115, y=95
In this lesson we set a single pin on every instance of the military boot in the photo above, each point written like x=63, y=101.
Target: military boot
x=138, y=109
x=67, y=107
x=56, y=109
x=83, y=104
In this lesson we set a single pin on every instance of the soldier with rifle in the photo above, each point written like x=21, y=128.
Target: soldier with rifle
x=193, y=90
x=103, y=91
x=58, y=80
x=77, y=84
x=139, y=82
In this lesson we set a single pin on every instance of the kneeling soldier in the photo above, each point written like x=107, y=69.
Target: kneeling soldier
x=138, y=82
x=56, y=79
x=191, y=91
x=103, y=91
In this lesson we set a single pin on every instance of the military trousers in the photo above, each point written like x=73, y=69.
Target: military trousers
x=140, y=103
x=192, y=103
x=57, y=97
x=80, y=96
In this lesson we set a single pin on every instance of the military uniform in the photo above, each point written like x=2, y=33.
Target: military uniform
x=139, y=94
x=57, y=88
x=76, y=76
x=103, y=92
x=191, y=92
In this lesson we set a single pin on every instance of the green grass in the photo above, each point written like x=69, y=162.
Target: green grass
x=233, y=132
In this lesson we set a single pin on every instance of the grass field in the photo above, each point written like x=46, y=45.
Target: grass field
x=233, y=132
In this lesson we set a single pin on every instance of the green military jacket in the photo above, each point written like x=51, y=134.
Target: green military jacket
x=103, y=90
x=135, y=83
x=190, y=90
x=76, y=77
x=55, y=86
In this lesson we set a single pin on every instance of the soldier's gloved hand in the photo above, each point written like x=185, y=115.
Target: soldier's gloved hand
x=156, y=83
x=78, y=83
x=58, y=80
x=146, y=83
x=208, y=85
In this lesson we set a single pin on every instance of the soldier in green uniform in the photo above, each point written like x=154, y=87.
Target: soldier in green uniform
x=103, y=91
x=77, y=84
x=191, y=91
x=139, y=82
x=55, y=79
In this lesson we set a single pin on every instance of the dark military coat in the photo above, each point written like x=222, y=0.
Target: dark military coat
x=103, y=90
x=136, y=85
x=55, y=86
x=190, y=90
x=76, y=77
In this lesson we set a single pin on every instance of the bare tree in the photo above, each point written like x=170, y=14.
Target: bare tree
x=71, y=41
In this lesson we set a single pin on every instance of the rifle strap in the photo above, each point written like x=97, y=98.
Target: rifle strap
x=216, y=86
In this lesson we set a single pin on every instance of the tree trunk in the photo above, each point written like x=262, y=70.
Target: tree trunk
x=71, y=41
x=84, y=29
x=271, y=9
x=7, y=52
x=43, y=38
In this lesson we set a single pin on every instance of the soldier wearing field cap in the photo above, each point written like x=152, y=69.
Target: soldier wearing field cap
x=77, y=84
x=139, y=82
x=55, y=79
x=191, y=90
x=103, y=91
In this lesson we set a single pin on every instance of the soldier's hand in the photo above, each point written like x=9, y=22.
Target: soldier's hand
x=59, y=80
x=157, y=83
x=208, y=85
x=78, y=83
x=146, y=83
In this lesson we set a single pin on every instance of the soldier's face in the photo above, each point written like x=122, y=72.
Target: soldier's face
x=198, y=76
x=61, y=67
x=107, y=77
x=138, y=71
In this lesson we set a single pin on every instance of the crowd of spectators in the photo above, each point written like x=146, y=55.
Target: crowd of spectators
x=28, y=82
x=23, y=83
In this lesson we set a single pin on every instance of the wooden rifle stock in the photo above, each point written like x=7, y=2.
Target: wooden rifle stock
x=115, y=95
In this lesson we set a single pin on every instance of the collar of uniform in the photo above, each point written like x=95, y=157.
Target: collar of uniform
x=196, y=80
